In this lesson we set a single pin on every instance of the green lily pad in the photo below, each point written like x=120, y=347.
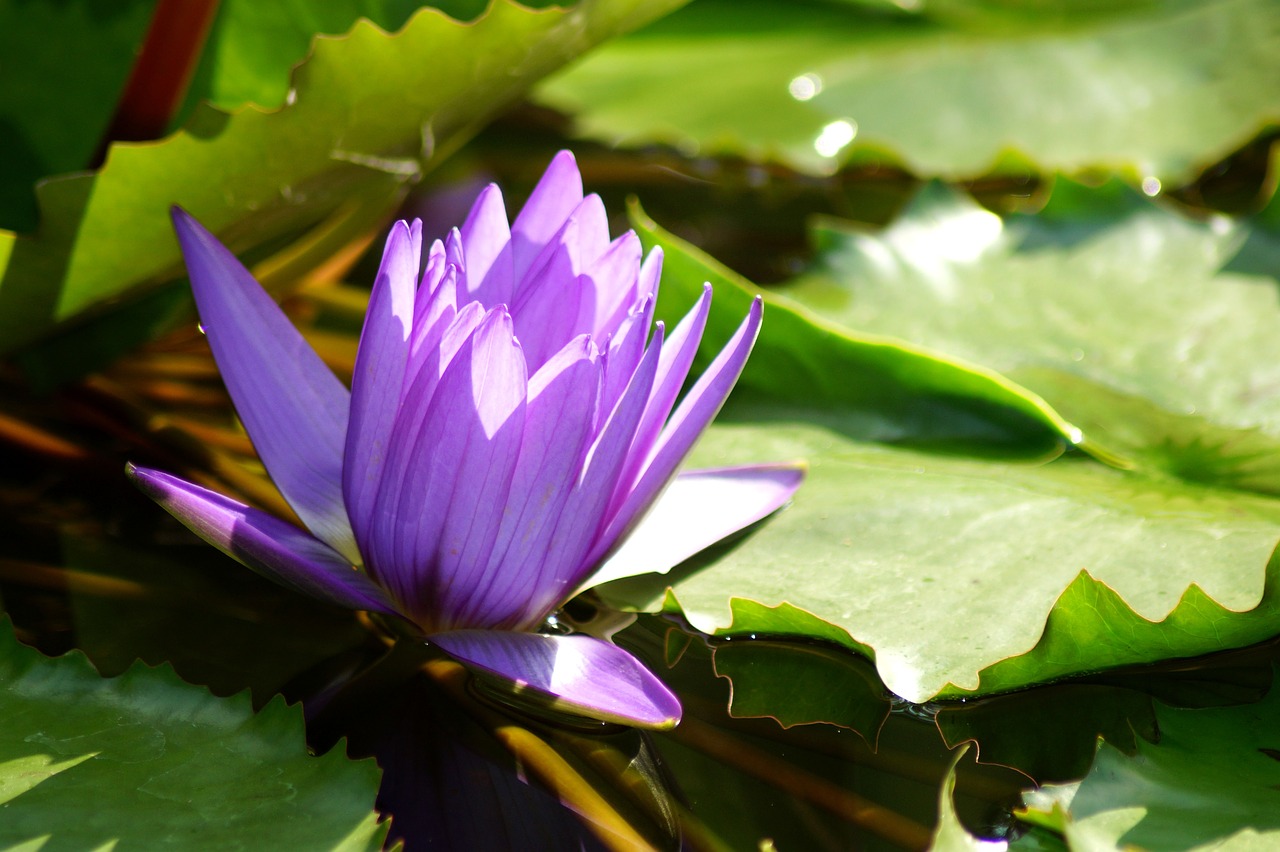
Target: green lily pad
x=145, y=759
x=369, y=114
x=1212, y=781
x=253, y=47
x=965, y=575
x=54, y=113
x=823, y=685
x=950, y=835
x=1153, y=335
x=1154, y=90
x=902, y=392
x=1009, y=730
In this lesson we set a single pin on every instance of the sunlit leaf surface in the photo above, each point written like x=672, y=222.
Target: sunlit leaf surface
x=144, y=759
x=371, y=111
x=1151, y=333
x=1154, y=90
x=946, y=566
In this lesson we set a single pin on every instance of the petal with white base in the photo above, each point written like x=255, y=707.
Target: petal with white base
x=577, y=674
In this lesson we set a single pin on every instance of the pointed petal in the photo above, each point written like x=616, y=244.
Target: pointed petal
x=553, y=199
x=457, y=462
x=624, y=352
x=379, y=373
x=558, y=428
x=613, y=276
x=677, y=357
x=699, y=508
x=578, y=674
x=551, y=298
x=693, y=415
x=486, y=243
x=292, y=406
x=650, y=274
x=583, y=519
x=277, y=550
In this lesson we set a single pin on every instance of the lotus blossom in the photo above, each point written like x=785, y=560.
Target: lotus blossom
x=508, y=440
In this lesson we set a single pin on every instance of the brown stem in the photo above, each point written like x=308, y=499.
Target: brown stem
x=160, y=77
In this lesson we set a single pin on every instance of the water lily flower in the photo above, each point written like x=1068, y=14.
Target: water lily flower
x=507, y=440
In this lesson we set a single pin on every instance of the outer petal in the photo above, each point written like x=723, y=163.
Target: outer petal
x=692, y=416
x=379, y=373
x=579, y=674
x=677, y=356
x=293, y=407
x=583, y=519
x=697, y=510
x=275, y=549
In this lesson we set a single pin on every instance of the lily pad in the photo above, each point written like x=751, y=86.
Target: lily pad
x=368, y=116
x=54, y=113
x=144, y=759
x=965, y=575
x=1150, y=333
x=1211, y=782
x=821, y=684
x=902, y=392
x=253, y=47
x=1153, y=90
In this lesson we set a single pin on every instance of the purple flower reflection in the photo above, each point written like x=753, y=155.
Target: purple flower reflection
x=509, y=426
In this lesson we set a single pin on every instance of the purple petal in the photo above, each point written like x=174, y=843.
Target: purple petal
x=557, y=194
x=583, y=517
x=580, y=674
x=277, y=550
x=558, y=427
x=379, y=373
x=546, y=311
x=624, y=352
x=486, y=242
x=292, y=406
x=690, y=419
x=650, y=274
x=613, y=278
x=457, y=463
x=698, y=509
x=677, y=356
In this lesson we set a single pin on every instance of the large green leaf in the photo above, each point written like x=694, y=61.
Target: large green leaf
x=962, y=574
x=1212, y=781
x=144, y=760
x=1153, y=334
x=370, y=111
x=54, y=112
x=253, y=47
x=902, y=392
x=1155, y=92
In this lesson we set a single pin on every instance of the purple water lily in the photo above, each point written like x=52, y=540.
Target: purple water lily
x=507, y=441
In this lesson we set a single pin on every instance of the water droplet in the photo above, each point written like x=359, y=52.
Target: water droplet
x=1151, y=186
x=1077, y=354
